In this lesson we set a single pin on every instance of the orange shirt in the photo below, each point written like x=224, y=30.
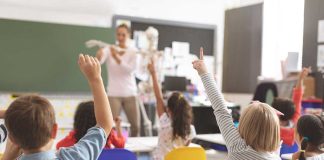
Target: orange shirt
x=288, y=134
x=113, y=139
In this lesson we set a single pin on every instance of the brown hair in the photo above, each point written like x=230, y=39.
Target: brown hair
x=124, y=26
x=181, y=115
x=311, y=129
x=285, y=106
x=259, y=127
x=30, y=120
x=84, y=119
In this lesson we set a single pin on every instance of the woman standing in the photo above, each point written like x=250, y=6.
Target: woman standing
x=121, y=66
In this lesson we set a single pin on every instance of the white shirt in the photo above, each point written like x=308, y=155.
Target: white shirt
x=121, y=77
x=166, y=142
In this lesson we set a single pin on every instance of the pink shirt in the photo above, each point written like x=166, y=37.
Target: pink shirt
x=121, y=77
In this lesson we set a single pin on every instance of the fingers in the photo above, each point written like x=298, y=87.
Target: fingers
x=201, y=57
x=81, y=58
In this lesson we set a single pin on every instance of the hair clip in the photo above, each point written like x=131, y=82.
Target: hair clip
x=303, y=151
x=306, y=138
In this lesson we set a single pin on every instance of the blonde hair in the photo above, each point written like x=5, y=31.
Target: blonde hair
x=259, y=127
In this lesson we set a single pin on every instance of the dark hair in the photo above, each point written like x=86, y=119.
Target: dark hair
x=285, y=106
x=181, y=115
x=84, y=119
x=124, y=26
x=311, y=128
x=30, y=120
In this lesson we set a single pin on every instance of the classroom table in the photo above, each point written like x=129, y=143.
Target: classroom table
x=213, y=138
x=213, y=141
x=287, y=156
x=145, y=144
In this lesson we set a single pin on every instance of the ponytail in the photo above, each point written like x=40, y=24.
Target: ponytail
x=303, y=147
x=181, y=115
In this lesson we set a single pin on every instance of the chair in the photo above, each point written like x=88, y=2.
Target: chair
x=266, y=92
x=187, y=153
x=117, y=154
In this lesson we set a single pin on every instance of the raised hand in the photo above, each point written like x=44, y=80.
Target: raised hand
x=90, y=67
x=199, y=65
x=302, y=75
x=118, y=122
x=151, y=66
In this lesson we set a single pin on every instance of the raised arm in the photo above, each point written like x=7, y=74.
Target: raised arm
x=298, y=93
x=223, y=117
x=92, y=70
x=157, y=91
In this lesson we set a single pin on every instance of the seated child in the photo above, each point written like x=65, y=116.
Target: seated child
x=258, y=135
x=310, y=138
x=291, y=110
x=32, y=128
x=175, y=120
x=84, y=119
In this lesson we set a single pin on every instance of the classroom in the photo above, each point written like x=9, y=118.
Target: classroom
x=161, y=80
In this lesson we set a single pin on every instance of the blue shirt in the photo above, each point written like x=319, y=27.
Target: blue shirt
x=89, y=147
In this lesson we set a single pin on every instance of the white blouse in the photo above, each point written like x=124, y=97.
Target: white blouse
x=121, y=77
x=166, y=142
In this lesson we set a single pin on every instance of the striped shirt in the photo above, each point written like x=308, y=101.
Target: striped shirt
x=237, y=148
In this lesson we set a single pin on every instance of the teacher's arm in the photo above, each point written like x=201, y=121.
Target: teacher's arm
x=101, y=55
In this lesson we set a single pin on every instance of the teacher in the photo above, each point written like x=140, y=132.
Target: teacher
x=121, y=65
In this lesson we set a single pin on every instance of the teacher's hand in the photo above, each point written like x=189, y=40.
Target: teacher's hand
x=199, y=64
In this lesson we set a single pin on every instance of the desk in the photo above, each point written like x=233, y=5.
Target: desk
x=145, y=144
x=213, y=138
x=214, y=141
x=287, y=156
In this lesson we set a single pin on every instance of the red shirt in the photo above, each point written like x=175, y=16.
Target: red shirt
x=288, y=134
x=113, y=139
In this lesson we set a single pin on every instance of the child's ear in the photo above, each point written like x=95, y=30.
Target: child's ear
x=54, y=131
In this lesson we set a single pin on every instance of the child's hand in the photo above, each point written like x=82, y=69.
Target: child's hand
x=304, y=73
x=118, y=122
x=90, y=67
x=151, y=66
x=199, y=65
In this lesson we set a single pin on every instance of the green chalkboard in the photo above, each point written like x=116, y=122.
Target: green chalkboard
x=42, y=57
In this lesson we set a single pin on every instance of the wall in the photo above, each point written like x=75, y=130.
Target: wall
x=100, y=12
x=313, y=13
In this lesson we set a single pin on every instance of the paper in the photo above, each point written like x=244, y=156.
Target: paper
x=180, y=49
x=292, y=62
x=320, y=33
x=320, y=56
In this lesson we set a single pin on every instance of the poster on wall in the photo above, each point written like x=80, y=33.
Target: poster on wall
x=320, y=56
x=320, y=33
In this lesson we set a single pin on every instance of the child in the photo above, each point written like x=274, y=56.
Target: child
x=310, y=138
x=258, y=134
x=175, y=120
x=84, y=119
x=31, y=123
x=291, y=110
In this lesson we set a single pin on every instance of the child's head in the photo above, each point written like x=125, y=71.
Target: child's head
x=285, y=106
x=181, y=115
x=310, y=131
x=31, y=122
x=84, y=119
x=259, y=127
